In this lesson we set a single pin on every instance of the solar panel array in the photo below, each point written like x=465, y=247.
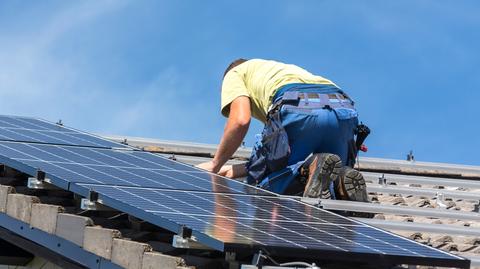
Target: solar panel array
x=223, y=214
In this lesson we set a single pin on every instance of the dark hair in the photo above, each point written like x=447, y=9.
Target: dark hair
x=233, y=64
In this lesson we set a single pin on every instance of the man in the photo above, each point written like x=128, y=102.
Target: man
x=308, y=141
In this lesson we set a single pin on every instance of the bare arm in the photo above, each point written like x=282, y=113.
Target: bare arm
x=233, y=134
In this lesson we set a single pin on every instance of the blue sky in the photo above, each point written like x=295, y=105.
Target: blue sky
x=154, y=68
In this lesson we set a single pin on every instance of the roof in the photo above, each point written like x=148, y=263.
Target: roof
x=432, y=203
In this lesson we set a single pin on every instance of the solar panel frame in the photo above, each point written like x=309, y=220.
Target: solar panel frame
x=34, y=130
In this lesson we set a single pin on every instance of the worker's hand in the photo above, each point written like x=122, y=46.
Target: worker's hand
x=208, y=166
x=226, y=171
x=233, y=171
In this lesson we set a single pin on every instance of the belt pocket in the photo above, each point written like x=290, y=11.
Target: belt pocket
x=273, y=152
x=275, y=141
x=257, y=165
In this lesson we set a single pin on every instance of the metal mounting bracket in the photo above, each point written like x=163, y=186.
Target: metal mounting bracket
x=40, y=182
x=477, y=207
x=190, y=243
x=34, y=183
x=382, y=181
x=93, y=203
x=185, y=239
x=86, y=204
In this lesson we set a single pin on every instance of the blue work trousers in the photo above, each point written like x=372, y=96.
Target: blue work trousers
x=317, y=130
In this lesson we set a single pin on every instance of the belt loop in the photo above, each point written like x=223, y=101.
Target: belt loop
x=305, y=94
x=340, y=99
x=324, y=99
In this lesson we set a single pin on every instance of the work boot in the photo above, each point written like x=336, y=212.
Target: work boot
x=351, y=185
x=323, y=169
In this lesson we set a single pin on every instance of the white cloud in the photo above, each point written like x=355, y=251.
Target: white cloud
x=35, y=82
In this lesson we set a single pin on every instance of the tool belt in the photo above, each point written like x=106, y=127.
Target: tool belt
x=273, y=151
x=315, y=100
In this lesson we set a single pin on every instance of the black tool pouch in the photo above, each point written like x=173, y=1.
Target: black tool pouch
x=273, y=153
x=361, y=132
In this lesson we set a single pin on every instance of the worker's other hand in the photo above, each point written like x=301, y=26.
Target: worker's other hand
x=208, y=166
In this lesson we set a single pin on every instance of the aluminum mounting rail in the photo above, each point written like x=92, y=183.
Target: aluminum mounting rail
x=393, y=209
x=434, y=181
x=427, y=192
x=421, y=227
x=392, y=189
x=365, y=163
x=194, y=160
x=415, y=167
x=179, y=147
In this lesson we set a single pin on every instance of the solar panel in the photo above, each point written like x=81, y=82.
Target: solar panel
x=14, y=128
x=224, y=214
x=66, y=164
x=262, y=222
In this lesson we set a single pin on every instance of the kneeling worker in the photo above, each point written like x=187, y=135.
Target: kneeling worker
x=311, y=135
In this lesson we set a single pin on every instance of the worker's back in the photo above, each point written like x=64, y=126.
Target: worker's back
x=260, y=79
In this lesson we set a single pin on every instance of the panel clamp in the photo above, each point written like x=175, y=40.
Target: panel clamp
x=382, y=181
x=93, y=204
x=476, y=207
x=258, y=259
x=40, y=182
x=186, y=239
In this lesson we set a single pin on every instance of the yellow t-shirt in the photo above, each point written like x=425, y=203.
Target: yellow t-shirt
x=259, y=80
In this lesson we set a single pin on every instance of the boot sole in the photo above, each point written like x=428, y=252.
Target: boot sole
x=327, y=168
x=354, y=186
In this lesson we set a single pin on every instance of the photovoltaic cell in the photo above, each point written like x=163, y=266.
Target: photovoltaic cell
x=13, y=128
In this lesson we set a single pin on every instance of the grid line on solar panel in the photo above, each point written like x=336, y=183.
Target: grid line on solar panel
x=22, y=129
x=361, y=239
x=119, y=167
